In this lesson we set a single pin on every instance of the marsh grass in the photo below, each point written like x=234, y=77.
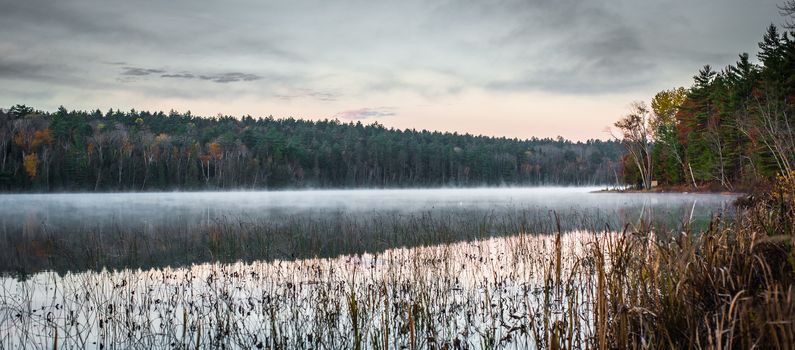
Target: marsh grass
x=481, y=294
x=730, y=286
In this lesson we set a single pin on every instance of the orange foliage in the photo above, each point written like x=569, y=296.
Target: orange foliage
x=31, y=164
x=215, y=150
x=684, y=121
x=41, y=137
x=785, y=185
x=31, y=141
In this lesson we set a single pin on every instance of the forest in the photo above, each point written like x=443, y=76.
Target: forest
x=731, y=130
x=145, y=151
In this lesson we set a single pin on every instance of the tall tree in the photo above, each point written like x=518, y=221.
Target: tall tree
x=668, y=152
x=635, y=131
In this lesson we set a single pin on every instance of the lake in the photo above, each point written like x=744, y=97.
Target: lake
x=73, y=232
x=381, y=269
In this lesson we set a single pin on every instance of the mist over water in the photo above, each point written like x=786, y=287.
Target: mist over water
x=118, y=230
x=55, y=209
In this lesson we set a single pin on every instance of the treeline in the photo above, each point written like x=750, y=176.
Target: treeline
x=733, y=129
x=134, y=151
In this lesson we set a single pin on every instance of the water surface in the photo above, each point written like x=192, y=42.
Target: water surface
x=68, y=232
x=311, y=269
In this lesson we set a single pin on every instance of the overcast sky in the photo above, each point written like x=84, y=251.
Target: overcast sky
x=507, y=68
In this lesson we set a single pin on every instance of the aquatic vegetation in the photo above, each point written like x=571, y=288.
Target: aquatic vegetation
x=511, y=291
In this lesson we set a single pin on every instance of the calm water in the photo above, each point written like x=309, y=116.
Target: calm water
x=67, y=232
x=280, y=269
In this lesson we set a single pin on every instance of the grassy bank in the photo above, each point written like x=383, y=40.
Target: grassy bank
x=730, y=287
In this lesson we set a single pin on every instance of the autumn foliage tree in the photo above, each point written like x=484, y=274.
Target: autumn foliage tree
x=668, y=153
x=732, y=128
x=31, y=162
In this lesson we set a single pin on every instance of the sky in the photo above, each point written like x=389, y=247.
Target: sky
x=514, y=68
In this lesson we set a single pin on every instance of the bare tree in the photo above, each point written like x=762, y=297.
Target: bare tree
x=97, y=142
x=715, y=140
x=636, y=137
x=122, y=148
x=773, y=128
x=787, y=9
x=147, y=144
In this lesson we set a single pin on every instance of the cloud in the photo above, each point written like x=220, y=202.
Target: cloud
x=563, y=46
x=308, y=93
x=230, y=77
x=379, y=53
x=30, y=70
x=216, y=78
x=17, y=69
x=138, y=72
x=366, y=113
x=178, y=75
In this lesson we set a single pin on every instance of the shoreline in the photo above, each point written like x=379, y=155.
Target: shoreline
x=670, y=190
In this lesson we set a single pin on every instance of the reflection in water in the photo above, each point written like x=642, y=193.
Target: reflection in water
x=76, y=232
x=497, y=292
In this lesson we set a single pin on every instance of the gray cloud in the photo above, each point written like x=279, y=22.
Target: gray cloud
x=26, y=70
x=179, y=75
x=137, y=71
x=216, y=78
x=366, y=113
x=230, y=77
x=306, y=48
x=19, y=70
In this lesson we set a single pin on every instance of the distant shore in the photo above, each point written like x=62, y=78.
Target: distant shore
x=706, y=189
